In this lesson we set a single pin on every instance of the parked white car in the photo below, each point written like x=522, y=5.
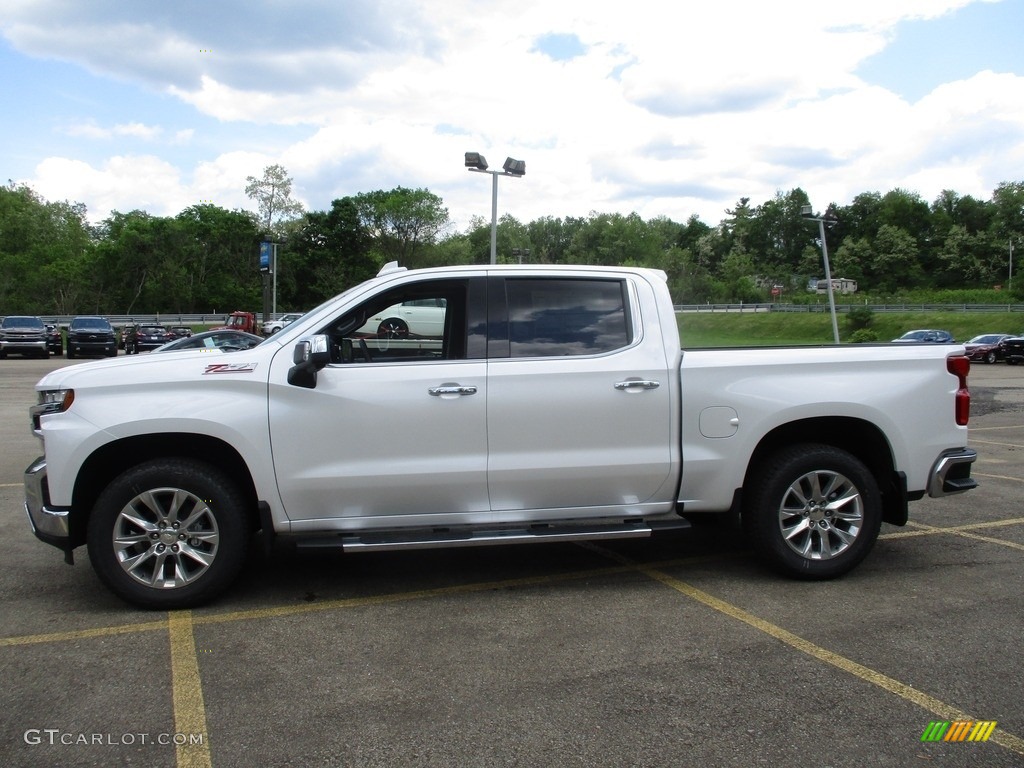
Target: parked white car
x=415, y=318
x=272, y=327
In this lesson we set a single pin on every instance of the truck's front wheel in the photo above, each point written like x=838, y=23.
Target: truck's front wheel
x=813, y=511
x=168, y=533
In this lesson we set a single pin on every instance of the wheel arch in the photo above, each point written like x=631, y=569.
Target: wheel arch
x=109, y=461
x=858, y=437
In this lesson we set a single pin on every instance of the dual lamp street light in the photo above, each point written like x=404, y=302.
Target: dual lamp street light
x=516, y=168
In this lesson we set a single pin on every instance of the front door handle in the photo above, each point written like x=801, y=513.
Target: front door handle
x=626, y=386
x=451, y=389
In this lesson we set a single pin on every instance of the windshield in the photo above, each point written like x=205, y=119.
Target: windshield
x=22, y=322
x=89, y=322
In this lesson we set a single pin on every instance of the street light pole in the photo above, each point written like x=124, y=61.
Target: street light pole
x=478, y=163
x=805, y=211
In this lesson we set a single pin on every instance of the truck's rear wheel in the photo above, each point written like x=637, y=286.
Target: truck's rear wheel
x=813, y=511
x=168, y=533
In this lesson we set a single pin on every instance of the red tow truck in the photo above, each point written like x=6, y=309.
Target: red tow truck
x=239, y=321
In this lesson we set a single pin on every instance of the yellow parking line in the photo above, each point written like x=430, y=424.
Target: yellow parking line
x=993, y=442
x=966, y=526
x=352, y=602
x=965, y=531
x=187, y=693
x=1000, y=477
x=920, y=529
x=189, y=706
x=82, y=634
x=939, y=708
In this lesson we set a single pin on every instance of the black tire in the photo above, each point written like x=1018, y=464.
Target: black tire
x=812, y=511
x=69, y=354
x=158, y=564
x=990, y=358
x=393, y=328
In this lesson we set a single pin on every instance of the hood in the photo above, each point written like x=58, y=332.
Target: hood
x=161, y=368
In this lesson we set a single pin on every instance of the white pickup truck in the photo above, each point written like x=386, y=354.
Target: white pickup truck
x=554, y=404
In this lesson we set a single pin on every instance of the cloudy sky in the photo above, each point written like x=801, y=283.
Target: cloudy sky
x=663, y=108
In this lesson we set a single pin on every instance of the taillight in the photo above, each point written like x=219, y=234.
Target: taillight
x=960, y=366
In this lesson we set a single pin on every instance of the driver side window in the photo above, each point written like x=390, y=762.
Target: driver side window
x=410, y=323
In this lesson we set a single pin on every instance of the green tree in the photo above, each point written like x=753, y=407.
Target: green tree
x=218, y=259
x=779, y=233
x=44, y=250
x=273, y=196
x=895, y=266
x=853, y=259
x=551, y=238
x=330, y=253
x=402, y=222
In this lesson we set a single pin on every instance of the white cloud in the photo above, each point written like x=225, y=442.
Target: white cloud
x=671, y=114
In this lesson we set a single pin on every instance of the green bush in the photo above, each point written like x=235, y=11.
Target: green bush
x=863, y=336
x=859, y=318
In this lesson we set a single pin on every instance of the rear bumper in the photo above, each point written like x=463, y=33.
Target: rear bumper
x=952, y=473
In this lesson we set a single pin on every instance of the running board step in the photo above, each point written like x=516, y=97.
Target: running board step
x=399, y=540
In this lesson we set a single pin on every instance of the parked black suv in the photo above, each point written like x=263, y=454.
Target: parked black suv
x=89, y=335
x=54, y=339
x=145, y=336
x=1013, y=349
x=23, y=334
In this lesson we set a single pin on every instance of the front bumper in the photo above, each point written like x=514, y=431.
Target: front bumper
x=23, y=345
x=49, y=524
x=92, y=347
x=952, y=473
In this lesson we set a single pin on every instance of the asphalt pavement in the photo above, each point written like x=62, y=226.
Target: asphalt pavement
x=675, y=651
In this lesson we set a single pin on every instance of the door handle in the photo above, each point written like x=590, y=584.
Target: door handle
x=625, y=386
x=451, y=389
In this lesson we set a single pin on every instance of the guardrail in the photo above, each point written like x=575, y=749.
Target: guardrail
x=207, y=319
x=848, y=307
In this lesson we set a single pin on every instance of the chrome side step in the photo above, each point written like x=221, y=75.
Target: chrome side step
x=454, y=537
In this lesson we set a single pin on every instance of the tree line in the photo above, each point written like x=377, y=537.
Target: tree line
x=206, y=258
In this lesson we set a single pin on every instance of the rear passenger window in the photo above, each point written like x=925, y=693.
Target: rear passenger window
x=548, y=318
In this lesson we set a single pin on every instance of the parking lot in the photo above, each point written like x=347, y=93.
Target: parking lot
x=674, y=651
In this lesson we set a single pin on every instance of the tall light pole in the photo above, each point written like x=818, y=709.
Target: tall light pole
x=807, y=212
x=478, y=163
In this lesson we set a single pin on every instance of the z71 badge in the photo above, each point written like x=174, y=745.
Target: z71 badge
x=230, y=368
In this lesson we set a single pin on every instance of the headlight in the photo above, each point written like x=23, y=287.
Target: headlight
x=53, y=401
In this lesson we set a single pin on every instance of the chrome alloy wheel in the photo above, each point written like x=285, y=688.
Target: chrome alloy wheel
x=821, y=515
x=165, y=538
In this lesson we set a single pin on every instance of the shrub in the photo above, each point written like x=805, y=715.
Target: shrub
x=863, y=336
x=859, y=318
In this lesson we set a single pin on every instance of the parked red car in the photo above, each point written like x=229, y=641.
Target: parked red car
x=986, y=348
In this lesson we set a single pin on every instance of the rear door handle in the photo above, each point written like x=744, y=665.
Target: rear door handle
x=451, y=389
x=626, y=386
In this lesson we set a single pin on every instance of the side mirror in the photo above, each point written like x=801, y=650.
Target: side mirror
x=311, y=353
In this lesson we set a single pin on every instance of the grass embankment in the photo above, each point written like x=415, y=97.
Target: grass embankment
x=744, y=329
